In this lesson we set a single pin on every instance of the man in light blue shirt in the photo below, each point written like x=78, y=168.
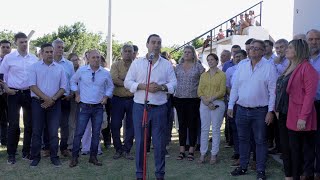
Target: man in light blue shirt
x=281, y=62
x=313, y=39
x=47, y=83
x=67, y=65
x=93, y=86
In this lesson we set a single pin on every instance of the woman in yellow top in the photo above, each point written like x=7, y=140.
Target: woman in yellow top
x=211, y=90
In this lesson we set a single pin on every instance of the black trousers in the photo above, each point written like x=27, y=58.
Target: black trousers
x=106, y=133
x=273, y=133
x=188, y=113
x=317, y=170
x=302, y=145
x=285, y=147
x=3, y=119
x=21, y=99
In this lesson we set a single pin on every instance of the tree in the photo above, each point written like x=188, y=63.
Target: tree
x=84, y=40
x=75, y=33
x=7, y=35
x=197, y=43
x=176, y=55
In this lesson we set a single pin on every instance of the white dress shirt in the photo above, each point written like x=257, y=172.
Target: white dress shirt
x=229, y=74
x=254, y=88
x=162, y=73
x=92, y=86
x=48, y=78
x=16, y=68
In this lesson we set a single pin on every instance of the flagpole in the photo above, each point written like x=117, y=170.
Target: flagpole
x=109, y=38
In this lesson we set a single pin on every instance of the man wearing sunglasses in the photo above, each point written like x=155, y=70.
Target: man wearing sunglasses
x=253, y=91
x=93, y=86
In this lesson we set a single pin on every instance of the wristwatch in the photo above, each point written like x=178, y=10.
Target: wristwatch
x=163, y=88
x=54, y=99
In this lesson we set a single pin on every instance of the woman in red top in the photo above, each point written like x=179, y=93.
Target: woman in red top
x=301, y=117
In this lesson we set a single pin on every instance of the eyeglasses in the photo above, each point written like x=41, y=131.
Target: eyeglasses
x=256, y=48
x=94, y=73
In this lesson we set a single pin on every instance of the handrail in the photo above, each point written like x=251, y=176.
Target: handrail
x=220, y=25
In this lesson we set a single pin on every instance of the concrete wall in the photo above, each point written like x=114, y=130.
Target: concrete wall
x=306, y=15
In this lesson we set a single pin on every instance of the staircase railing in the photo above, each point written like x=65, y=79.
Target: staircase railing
x=212, y=32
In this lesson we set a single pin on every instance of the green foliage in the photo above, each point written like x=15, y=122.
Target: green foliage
x=84, y=40
x=197, y=43
x=176, y=55
x=7, y=35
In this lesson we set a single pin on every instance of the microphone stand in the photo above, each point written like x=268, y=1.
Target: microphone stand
x=145, y=118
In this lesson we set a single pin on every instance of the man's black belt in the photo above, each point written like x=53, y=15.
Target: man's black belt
x=91, y=105
x=254, y=108
x=21, y=91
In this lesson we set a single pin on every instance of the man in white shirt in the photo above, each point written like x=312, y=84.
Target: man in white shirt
x=253, y=91
x=162, y=81
x=15, y=69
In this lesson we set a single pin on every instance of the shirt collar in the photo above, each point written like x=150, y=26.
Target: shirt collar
x=317, y=58
x=62, y=60
x=89, y=68
x=52, y=64
x=16, y=53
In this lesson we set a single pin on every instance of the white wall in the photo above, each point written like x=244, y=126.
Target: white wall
x=277, y=18
x=306, y=15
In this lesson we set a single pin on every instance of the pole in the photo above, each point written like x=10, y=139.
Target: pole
x=145, y=120
x=28, y=39
x=109, y=38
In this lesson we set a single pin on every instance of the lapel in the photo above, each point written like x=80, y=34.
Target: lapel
x=295, y=73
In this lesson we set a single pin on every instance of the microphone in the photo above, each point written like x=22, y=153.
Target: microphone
x=151, y=56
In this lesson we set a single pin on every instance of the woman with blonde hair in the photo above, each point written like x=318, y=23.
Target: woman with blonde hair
x=211, y=90
x=301, y=114
x=186, y=100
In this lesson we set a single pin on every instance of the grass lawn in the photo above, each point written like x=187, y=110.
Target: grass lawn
x=125, y=169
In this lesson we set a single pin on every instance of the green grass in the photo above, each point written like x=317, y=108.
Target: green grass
x=125, y=169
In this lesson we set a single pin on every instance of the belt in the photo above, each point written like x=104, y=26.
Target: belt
x=91, y=105
x=253, y=108
x=37, y=98
x=152, y=106
x=21, y=91
x=127, y=97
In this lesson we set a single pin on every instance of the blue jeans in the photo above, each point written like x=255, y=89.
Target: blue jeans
x=40, y=117
x=157, y=118
x=86, y=112
x=120, y=107
x=248, y=120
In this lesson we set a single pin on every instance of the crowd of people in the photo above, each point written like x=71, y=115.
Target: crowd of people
x=267, y=100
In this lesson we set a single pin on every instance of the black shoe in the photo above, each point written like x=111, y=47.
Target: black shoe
x=74, y=162
x=27, y=157
x=238, y=172
x=34, y=163
x=11, y=160
x=56, y=162
x=235, y=156
x=261, y=175
x=273, y=151
x=94, y=161
x=167, y=155
x=117, y=155
x=127, y=155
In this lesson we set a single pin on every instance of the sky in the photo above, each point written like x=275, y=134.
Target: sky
x=176, y=21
